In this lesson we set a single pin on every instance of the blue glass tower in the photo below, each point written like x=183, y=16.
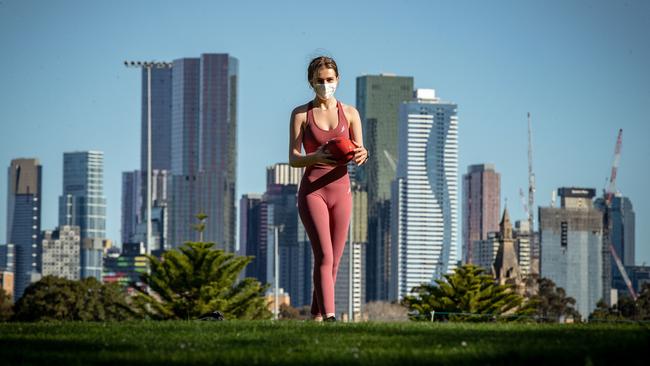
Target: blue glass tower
x=24, y=221
x=83, y=204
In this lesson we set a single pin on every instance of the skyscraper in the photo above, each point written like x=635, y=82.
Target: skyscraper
x=481, y=205
x=24, y=221
x=621, y=233
x=378, y=100
x=521, y=234
x=295, y=261
x=250, y=235
x=203, y=147
x=83, y=204
x=132, y=204
x=7, y=261
x=160, y=181
x=572, y=247
x=621, y=237
x=425, y=193
x=161, y=120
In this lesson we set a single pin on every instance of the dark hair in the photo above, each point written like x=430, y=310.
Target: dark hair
x=317, y=63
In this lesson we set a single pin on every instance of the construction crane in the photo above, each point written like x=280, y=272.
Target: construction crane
x=391, y=160
x=608, y=195
x=531, y=199
x=523, y=202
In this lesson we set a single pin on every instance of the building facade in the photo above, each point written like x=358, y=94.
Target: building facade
x=425, y=194
x=24, y=221
x=61, y=252
x=161, y=120
x=203, y=148
x=250, y=235
x=132, y=204
x=378, y=100
x=295, y=258
x=622, y=232
x=7, y=259
x=351, y=271
x=572, y=248
x=83, y=204
x=126, y=267
x=521, y=234
x=481, y=205
x=283, y=173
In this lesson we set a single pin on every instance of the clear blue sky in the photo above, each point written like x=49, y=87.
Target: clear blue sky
x=580, y=67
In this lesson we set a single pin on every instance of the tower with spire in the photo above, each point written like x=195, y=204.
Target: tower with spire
x=506, y=265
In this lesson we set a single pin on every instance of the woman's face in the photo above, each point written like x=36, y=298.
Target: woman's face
x=324, y=75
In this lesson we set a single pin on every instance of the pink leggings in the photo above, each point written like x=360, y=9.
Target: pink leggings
x=325, y=206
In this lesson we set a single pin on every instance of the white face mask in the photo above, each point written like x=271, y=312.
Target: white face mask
x=325, y=91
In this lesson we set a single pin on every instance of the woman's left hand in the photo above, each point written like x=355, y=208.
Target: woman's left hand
x=360, y=154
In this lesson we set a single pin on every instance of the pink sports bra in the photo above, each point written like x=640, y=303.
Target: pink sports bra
x=315, y=136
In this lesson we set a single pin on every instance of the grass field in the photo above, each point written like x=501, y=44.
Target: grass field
x=297, y=343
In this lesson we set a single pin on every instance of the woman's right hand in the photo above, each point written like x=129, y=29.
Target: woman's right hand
x=321, y=155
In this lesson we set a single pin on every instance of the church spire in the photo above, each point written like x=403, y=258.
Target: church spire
x=505, y=226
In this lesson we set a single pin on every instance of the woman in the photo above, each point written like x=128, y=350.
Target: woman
x=324, y=197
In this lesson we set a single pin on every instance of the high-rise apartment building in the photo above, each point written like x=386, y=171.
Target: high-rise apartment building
x=425, y=194
x=378, y=100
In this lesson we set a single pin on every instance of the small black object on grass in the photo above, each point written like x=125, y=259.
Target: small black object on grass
x=215, y=315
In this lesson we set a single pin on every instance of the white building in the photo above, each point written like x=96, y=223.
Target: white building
x=61, y=255
x=424, y=219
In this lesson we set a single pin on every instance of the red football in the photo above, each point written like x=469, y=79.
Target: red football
x=341, y=148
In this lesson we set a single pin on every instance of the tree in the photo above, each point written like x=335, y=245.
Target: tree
x=195, y=280
x=288, y=312
x=643, y=303
x=57, y=298
x=626, y=308
x=6, y=308
x=466, y=294
x=551, y=304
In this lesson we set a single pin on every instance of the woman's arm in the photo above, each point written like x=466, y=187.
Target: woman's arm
x=356, y=135
x=296, y=159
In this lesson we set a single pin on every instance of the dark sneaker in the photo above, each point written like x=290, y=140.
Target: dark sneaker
x=330, y=319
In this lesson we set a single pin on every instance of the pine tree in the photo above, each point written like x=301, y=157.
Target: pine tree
x=469, y=290
x=197, y=279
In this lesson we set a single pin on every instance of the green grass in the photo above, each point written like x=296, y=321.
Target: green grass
x=293, y=343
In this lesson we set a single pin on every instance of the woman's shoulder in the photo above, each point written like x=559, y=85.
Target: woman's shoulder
x=299, y=114
x=301, y=109
x=348, y=108
x=351, y=113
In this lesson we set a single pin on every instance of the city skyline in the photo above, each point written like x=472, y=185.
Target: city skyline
x=562, y=74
